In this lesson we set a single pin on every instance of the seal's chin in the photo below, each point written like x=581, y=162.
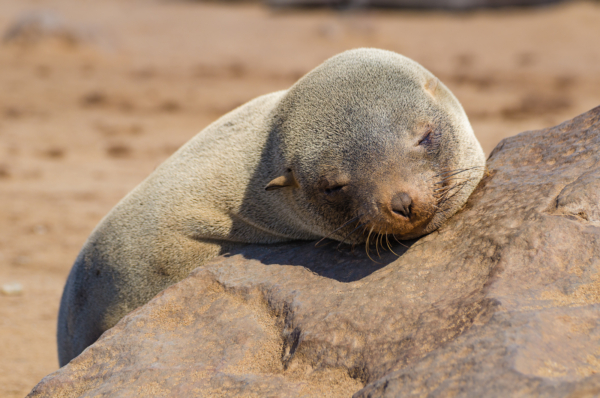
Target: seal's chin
x=373, y=232
x=404, y=232
x=366, y=230
x=416, y=233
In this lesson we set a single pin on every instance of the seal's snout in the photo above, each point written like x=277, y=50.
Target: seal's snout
x=403, y=212
x=402, y=204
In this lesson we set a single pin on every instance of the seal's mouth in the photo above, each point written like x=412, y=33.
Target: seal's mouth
x=386, y=224
x=402, y=213
x=408, y=222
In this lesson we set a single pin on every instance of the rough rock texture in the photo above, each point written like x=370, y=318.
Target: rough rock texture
x=504, y=300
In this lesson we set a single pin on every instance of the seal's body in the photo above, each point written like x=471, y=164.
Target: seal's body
x=367, y=143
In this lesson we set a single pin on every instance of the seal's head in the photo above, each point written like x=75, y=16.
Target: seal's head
x=372, y=142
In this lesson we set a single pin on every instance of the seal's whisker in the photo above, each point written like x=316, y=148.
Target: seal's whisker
x=377, y=239
x=451, y=193
x=440, y=191
x=456, y=185
x=455, y=190
x=350, y=234
x=459, y=183
x=457, y=171
x=396, y=239
x=367, y=244
x=444, y=181
x=335, y=230
x=387, y=239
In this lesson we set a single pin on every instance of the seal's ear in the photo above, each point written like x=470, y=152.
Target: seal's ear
x=285, y=180
x=431, y=85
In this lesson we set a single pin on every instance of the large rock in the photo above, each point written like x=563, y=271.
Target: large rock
x=504, y=300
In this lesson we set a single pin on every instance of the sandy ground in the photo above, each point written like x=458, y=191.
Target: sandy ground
x=87, y=113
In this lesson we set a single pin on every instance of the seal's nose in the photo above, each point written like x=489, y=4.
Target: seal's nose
x=401, y=204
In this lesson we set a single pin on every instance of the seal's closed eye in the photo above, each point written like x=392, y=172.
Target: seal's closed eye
x=333, y=189
x=430, y=138
x=333, y=184
x=426, y=138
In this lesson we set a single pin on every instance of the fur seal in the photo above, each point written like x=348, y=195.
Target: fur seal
x=369, y=142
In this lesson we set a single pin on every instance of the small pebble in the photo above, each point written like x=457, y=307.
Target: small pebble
x=12, y=289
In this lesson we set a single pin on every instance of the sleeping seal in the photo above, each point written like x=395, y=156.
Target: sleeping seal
x=369, y=142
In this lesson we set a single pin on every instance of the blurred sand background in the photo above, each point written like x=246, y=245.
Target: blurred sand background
x=91, y=108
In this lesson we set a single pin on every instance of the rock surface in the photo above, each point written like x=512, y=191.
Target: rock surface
x=503, y=300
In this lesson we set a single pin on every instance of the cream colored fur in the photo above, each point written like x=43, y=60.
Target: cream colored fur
x=357, y=116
